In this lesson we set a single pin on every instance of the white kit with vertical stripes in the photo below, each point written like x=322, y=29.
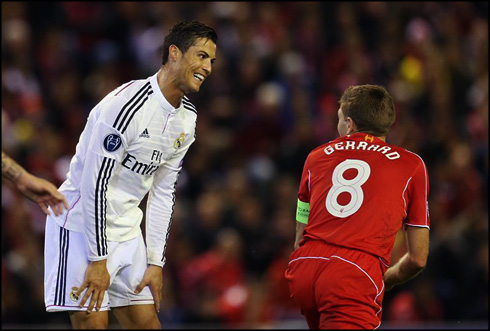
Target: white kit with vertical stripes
x=133, y=143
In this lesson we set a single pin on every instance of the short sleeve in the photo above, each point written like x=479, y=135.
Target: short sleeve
x=304, y=185
x=418, y=190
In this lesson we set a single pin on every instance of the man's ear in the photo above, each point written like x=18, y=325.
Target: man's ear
x=351, y=125
x=173, y=53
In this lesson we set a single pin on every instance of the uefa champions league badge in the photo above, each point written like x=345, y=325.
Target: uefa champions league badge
x=112, y=142
x=73, y=294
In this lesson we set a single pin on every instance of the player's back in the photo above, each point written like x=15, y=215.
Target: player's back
x=361, y=190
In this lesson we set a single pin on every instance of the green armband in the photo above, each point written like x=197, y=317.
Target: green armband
x=302, y=212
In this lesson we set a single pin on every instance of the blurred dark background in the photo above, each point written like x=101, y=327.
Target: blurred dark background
x=273, y=96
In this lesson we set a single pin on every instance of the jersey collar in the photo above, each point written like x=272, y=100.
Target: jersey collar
x=365, y=136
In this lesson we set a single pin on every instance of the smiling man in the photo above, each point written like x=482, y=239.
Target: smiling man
x=134, y=143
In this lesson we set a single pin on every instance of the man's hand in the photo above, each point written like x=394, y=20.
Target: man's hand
x=36, y=189
x=152, y=278
x=97, y=280
x=413, y=262
x=388, y=279
x=42, y=192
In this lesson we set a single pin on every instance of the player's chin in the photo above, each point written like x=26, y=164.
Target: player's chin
x=194, y=88
x=197, y=83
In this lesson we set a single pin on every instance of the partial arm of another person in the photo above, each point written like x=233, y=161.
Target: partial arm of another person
x=36, y=189
x=413, y=262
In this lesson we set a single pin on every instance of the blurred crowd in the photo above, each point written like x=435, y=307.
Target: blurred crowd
x=273, y=96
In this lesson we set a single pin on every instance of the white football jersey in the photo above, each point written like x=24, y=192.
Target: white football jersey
x=133, y=143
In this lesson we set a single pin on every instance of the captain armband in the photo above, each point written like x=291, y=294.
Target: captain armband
x=302, y=212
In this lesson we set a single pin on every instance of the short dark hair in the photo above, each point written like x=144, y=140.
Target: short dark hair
x=371, y=107
x=184, y=34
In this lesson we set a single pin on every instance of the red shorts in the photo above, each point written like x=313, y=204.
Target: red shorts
x=336, y=287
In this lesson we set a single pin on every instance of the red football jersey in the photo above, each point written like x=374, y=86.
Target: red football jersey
x=361, y=191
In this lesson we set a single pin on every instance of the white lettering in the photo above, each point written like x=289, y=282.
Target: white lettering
x=362, y=144
x=350, y=145
x=328, y=150
x=393, y=155
x=384, y=149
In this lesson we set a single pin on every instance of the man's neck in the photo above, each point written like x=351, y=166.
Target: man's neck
x=167, y=86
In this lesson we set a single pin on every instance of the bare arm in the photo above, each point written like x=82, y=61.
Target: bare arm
x=299, y=233
x=36, y=189
x=11, y=170
x=413, y=262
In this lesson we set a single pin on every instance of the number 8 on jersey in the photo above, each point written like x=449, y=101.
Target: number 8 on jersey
x=351, y=186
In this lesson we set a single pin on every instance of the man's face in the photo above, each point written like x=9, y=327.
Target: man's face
x=196, y=65
x=342, y=125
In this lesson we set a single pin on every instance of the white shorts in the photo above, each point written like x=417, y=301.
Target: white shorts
x=65, y=263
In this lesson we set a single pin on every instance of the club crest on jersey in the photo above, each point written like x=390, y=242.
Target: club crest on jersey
x=179, y=141
x=368, y=137
x=73, y=294
x=112, y=142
